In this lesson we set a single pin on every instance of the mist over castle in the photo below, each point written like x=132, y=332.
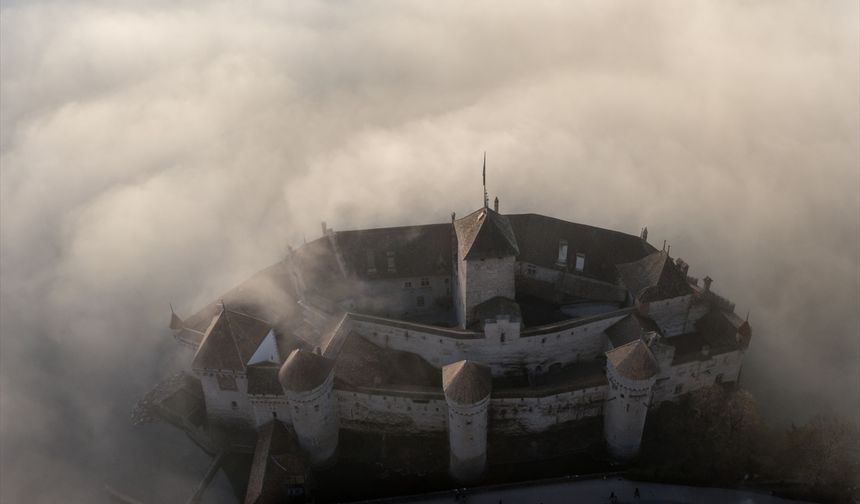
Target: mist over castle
x=162, y=152
x=491, y=329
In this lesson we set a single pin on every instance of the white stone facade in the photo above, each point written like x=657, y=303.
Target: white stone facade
x=315, y=418
x=467, y=439
x=627, y=404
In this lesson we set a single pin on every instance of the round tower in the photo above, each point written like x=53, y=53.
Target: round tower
x=467, y=386
x=308, y=379
x=631, y=371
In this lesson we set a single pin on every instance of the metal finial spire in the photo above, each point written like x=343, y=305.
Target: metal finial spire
x=486, y=198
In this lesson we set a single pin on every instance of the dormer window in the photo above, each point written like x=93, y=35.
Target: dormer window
x=562, y=252
x=580, y=262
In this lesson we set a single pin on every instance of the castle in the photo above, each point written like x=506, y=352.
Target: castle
x=487, y=324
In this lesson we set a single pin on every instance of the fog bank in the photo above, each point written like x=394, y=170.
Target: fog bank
x=164, y=152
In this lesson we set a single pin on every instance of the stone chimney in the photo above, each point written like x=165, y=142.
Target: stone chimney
x=707, y=280
x=496, y=204
x=683, y=267
x=324, y=228
x=644, y=234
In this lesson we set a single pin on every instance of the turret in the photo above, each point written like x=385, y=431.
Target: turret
x=308, y=379
x=467, y=386
x=631, y=370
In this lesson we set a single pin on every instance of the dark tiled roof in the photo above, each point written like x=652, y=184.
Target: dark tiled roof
x=263, y=379
x=717, y=331
x=364, y=364
x=574, y=376
x=304, y=371
x=268, y=295
x=630, y=328
x=319, y=267
x=633, y=361
x=496, y=306
x=417, y=251
x=230, y=341
x=277, y=460
x=484, y=234
x=654, y=277
x=539, y=236
x=466, y=382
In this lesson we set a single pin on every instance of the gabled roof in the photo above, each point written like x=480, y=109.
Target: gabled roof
x=633, y=361
x=416, y=251
x=230, y=340
x=466, y=382
x=719, y=331
x=485, y=233
x=630, y=328
x=361, y=363
x=304, y=371
x=539, y=235
x=277, y=460
x=654, y=277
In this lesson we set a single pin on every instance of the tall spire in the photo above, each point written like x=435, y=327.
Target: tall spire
x=486, y=201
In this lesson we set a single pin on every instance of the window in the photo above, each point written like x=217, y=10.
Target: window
x=562, y=252
x=419, y=301
x=234, y=405
x=407, y=285
x=371, y=262
x=531, y=270
x=719, y=378
x=391, y=261
x=275, y=415
x=580, y=262
x=425, y=282
x=316, y=407
x=628, y=406
x=678, y=389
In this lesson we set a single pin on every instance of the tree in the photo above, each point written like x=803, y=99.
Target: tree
x=710, y=436
x=823, y=455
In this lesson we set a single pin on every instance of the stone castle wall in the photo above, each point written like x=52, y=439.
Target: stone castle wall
x=562, y=343
x=223, y=404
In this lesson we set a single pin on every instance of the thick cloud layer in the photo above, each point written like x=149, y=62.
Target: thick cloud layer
x=165, y=152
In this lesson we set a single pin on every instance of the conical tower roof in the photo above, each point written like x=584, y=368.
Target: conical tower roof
x=485, y=233
x=304, y=371
x=466, y=382
x=633, y=361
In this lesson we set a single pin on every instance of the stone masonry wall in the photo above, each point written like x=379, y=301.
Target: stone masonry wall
x=224, y=406
x=559, y=343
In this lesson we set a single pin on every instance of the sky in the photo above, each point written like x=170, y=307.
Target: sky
x=162, y=152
